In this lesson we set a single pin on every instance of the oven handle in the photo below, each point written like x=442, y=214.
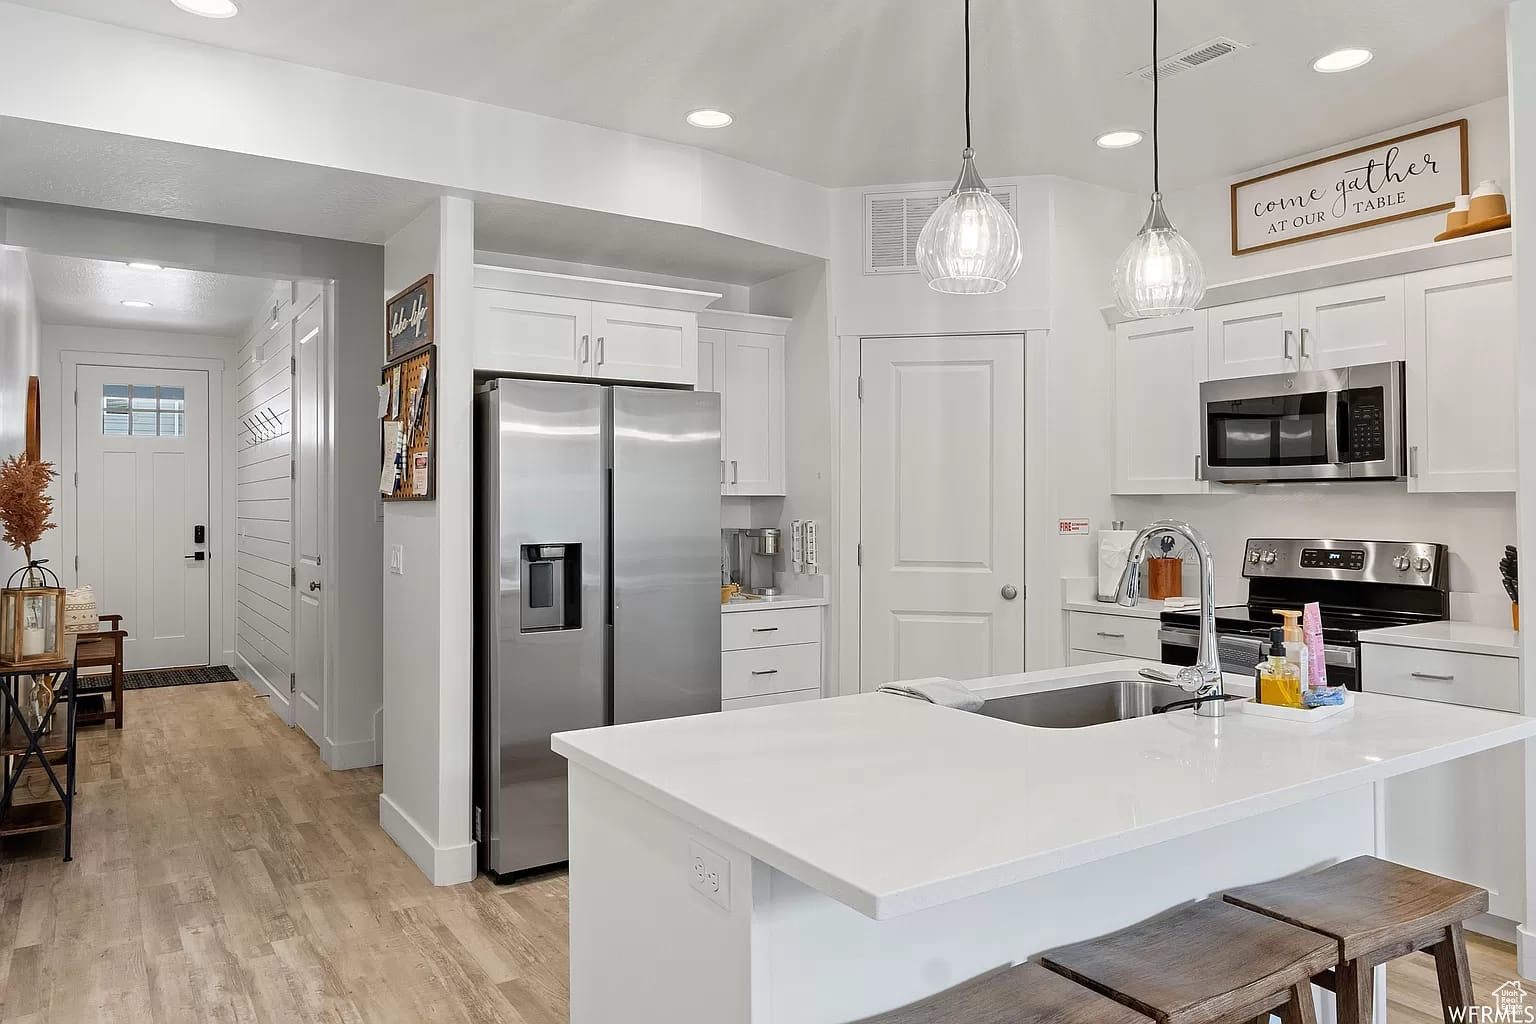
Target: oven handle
x=1333, y=654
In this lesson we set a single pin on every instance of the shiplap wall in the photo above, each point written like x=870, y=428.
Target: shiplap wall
x=264, y=498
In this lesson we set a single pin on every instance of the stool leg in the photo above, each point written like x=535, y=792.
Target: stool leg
x=1455, y=978
x=1356, y=988
x=1300, y=1009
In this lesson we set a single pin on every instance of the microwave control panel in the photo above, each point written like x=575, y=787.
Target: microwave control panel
x=1366, y=430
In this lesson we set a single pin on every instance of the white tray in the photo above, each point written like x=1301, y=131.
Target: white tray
x=1301, y=716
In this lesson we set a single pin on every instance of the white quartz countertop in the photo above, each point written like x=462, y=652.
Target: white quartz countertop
x=1143, y=609
x=758, y=604
x=1465, y=637
x=891, y=805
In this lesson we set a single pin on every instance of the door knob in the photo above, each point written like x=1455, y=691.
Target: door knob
x=1010, y=592
x=314, y=586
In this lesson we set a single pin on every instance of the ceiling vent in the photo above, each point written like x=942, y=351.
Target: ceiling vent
x=1194, y=57
x=893, y=220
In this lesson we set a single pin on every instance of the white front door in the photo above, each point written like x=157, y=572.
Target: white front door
x=309, y=577
x=942, y=508
x=142, y=507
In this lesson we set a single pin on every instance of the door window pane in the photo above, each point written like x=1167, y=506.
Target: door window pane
x=143, y=410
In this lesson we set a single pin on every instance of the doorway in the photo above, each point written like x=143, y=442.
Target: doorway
x=941, y=521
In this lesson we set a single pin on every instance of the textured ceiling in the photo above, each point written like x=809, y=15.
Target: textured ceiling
x=868, y=91
x=89, y=293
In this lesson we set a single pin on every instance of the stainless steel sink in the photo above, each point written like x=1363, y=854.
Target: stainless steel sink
x=1075, y=707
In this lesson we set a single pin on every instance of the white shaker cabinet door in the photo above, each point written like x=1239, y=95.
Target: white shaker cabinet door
x=1462, y=416
x=536, y=334
x=1351, y=324
x=1247, y=339
x=1158, y=366
x=754, y=414
x=712, y=378
x=640, y=343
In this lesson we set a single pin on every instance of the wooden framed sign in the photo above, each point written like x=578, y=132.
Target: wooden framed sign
x=1407, y=176
x=408, y=319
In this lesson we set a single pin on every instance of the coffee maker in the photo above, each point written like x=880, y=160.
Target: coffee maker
x=751, y=558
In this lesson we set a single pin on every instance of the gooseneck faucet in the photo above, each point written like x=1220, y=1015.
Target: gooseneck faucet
x=1203, y=678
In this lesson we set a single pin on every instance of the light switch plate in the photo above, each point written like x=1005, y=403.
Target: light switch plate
x=709, y=873
x=397, y=559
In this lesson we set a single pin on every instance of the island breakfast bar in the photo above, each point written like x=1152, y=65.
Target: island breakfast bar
x=825, y=861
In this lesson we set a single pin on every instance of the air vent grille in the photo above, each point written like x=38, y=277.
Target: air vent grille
x=1194, y=57
x=893, y=220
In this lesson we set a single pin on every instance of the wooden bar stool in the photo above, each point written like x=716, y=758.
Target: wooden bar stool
x=1204, y=963
x=1377, y=911
x=1025, y=994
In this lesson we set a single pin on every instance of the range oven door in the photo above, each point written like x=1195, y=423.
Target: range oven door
x=1241, y=654
x=1319, y=425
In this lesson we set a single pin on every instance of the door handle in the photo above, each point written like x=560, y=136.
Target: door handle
x=1010, y=592
x=314, y=586
x=199, y=556
x=600, y=352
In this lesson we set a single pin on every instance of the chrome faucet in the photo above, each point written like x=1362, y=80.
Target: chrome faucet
x=1203, y=678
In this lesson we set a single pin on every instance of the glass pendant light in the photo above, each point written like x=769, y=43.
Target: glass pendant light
x=1159, y=273
x=970, y=246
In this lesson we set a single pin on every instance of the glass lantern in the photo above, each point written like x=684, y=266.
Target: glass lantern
x=31, y=618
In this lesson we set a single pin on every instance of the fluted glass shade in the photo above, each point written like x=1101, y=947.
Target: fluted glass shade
x=1158, y=274
x=970, y=246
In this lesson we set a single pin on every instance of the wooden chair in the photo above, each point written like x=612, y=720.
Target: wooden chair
x=103, y=649
x=1026, y=994
x=1374, y=911
x=1203, y=964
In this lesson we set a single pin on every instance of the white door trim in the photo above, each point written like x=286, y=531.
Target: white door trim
x=1042, y=610
x=221, y=484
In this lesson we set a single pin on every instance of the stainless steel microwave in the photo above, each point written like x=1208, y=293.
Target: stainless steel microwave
x=1342, y=424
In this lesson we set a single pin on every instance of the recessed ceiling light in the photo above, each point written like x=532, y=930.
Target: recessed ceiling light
x=1342, y=60
x=135, y=265
x=1119, y=139
x=709, y=118
x=209, y=8
x=138, y=304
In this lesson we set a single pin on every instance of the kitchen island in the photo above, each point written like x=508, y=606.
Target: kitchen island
x=822, y=861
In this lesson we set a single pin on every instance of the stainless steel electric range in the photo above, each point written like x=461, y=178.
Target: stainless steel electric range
x=1359, y=585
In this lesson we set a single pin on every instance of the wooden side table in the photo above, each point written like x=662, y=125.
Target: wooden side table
x=20, y=743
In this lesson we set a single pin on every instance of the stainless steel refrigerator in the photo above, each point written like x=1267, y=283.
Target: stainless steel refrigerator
x=597, y=573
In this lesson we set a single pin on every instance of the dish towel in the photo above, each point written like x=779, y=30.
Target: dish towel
x=937, y=690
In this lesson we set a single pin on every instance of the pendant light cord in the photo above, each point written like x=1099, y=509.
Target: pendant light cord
x=1157, y=184
x=967, y=74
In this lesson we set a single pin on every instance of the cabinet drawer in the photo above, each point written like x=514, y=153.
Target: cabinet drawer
x=768, y=700
x=1113, y=634
x=770, y=670
x=1476, y=680
x=741, y=631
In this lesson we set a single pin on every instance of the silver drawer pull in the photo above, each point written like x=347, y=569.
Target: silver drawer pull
x=765, y=671
x=1113, y=636
x=1436, y=678
x=765, y=629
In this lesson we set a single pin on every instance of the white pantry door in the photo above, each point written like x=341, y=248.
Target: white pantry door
x=141, y=502
x=309, y=578
x=942, y=508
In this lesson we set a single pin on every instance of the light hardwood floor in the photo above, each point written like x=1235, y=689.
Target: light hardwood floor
x=221, y=873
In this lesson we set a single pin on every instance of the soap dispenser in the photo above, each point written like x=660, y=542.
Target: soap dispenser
x=1278, y=682
x=1296, y=653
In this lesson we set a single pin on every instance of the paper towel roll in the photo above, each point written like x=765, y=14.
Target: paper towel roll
x=1114, y=552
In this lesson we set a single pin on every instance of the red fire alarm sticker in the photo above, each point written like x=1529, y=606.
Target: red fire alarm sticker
x=1073, y=527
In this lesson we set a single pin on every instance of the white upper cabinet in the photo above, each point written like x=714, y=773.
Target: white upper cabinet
x=711, y=361
x=746, y=367
x=1158, y=366
x=1462, y=417
x=1351, y=324
x=644, y=344
x=1247, y=339
x=536, y=334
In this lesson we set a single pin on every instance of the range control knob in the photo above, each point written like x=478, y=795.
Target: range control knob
x=1269, y=558
x=1422, y=564
x=1401, y=562
x=1254, y=558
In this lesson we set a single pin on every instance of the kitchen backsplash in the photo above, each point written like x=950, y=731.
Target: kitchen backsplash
x=1474, y=527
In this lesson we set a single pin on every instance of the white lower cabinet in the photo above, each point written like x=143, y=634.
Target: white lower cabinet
x=1095, y=636
x=769, y=656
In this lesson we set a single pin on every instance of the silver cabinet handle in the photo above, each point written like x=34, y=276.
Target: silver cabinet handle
x=583, y=348
x=722, y=471
x=600, y=353
x=1433, y=677
x=765, y=671
x=1112, y=636
x=765, y=629
x=1199, y=467
x=1413, y=461
x=734, y=471
x=1302, y=352
x=1288, y=336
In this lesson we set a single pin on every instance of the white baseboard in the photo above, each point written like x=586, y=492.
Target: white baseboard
x=443, y=865
x=1525, y=951
x=343, y=757
x=279, y=700
x=1494, y=927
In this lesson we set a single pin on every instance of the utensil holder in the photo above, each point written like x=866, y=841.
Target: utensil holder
x=1165, y=578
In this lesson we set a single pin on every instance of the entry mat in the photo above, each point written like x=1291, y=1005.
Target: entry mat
x=153, y=678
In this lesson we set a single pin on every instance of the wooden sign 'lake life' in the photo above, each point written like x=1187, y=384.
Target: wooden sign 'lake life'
x=1407, y=176
x=408, y=320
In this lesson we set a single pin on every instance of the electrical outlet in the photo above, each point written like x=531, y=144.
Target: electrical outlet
x=709, y=873
x=397, y=559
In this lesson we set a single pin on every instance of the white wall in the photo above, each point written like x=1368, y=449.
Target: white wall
x=20, y=354
x=428, y=620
